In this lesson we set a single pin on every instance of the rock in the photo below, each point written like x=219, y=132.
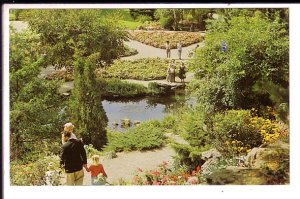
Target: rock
x=270, y=156
x=125, y=122
x=111, y=155
x=211, y=157
x=268, y=164
x=237, y=176
x=212, y=153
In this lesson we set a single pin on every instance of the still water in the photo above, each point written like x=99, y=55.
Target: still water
x=144, y=108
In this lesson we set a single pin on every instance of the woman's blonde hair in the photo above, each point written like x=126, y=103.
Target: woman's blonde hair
x=95, y=160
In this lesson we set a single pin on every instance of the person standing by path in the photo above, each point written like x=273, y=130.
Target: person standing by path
x=168, y=49
x=179, y=49
x=73, y=159
x=98, y=175
x=181, y=73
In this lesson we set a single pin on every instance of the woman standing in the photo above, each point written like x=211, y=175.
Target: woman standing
x=181, y=73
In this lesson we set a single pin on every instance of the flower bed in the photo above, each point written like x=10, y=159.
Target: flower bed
x=163, y=175
x=141, y=69
x=159, y=38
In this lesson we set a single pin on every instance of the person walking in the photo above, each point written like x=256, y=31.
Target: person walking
x=168, y=49
x=73, y=159
x=179, y=49
x=98, y=175
x=181, y=73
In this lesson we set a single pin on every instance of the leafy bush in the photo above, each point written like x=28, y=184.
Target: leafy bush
x=148, y=135
x=141, y=69
x=159, y=38
x=36, y=173
x=193, y=128
x=170, y=123
x=188, y=156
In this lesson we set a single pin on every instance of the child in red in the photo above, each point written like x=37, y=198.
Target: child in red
x=98, y=174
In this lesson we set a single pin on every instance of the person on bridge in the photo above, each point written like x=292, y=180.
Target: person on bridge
x=168, y=49
x=181, y=73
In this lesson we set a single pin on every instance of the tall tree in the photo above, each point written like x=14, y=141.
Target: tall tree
x=87, y=109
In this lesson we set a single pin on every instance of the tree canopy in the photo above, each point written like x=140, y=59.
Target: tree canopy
x=34, y=103
x=67, y=33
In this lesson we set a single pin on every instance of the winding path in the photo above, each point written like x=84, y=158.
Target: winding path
x=146, y=51
x=127, y=163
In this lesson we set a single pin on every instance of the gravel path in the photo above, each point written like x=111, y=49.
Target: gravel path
x=127, y=163
x=145, y=51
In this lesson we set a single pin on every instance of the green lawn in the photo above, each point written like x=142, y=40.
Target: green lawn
x=127, y=20
x=131, y=25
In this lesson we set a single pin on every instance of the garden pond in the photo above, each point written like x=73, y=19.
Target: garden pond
x=133, y=111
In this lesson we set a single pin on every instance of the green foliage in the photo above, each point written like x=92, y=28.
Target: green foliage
x=86, y=106
x=119, y=88
x=169, y=18
x=154, y=88
x=141, y=69
x=148, y=135
x=257, y=54
x=67, y=34
x=136, y=13
x=34, y=102
x=192, y=126
x=36, y=173
x=187, y=155
x=170, y=123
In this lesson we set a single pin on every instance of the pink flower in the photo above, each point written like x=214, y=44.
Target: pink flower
x=155, y=173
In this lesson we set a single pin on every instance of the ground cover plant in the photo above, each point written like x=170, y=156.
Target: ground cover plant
x=140, y=69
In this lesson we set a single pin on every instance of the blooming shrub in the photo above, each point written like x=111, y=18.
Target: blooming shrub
x=164, y=175
x=237, y=131
x=158, y=38
x=45, y=171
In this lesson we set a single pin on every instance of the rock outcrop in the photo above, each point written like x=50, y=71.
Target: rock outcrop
x=267, y=164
